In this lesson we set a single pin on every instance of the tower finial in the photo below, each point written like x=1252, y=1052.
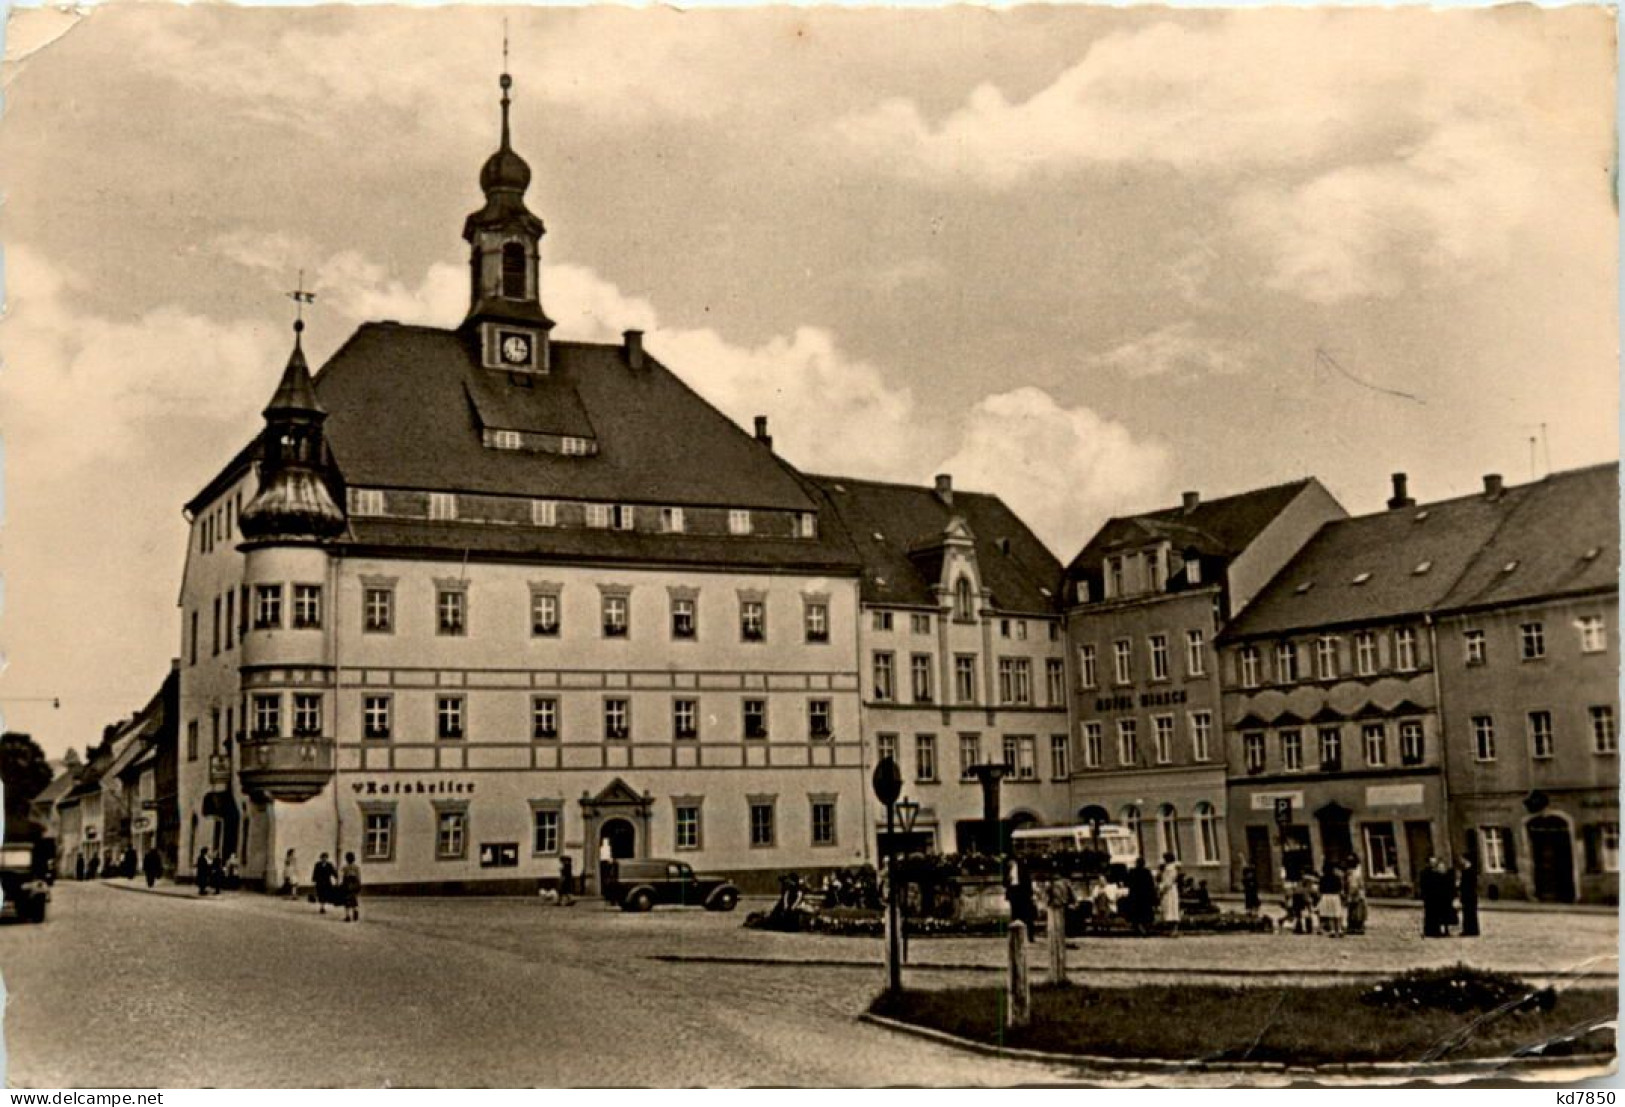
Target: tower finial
x=300, y=298
x=506, y=82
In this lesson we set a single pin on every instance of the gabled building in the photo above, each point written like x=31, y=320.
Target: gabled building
x=963, y=662
x=1144, y=601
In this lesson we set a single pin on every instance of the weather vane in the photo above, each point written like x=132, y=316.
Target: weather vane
x=300, y=298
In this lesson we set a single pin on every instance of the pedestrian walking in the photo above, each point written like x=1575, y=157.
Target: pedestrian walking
x=1140, y=904
x=152, y=866
x=205, y=867
x=324, y=876
x=78, y=866
x=1249, y=891
x=1168, y=890
x=1354, y=898
x=567, y=880
x=350, y=883
x=1434, y=899
x=1467, y=889
x=606, y=867
x=127, y=864
x=290, y=875
x=1331, y=901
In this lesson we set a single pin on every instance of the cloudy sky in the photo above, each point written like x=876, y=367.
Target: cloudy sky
x=1083, y=258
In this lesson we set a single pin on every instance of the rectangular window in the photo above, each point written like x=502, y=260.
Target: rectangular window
x=761, y=824
x=448, y=714
x=1331, y=749
x=451, y=612
x=268, y=716
x=267, y=609
x=1027, y=757
x=378, y=840
x=1474, y=647
x=544, y=613
x=739, y=522
x=366, y=501
x=191, y=740
x=1374, y=736
x=1159, y=656
x=1249, y=667
x=1607, y=839
x=925, y=757
x=1412, y=745
x=617, y=718
x=1094, y=739
x=598, y=516
x=755, y=712
x=1055, y=681
x=216, y=637
x=1593, y=634
x=1015, y=680
x=685, y=719
x=1541, y=742
x=545, y=832
x=1382, y=851
x=307, y=715
x=1604, y=732
x=378, y=611
x=307, y=606
x=1087, y=677
x=1201, y=735
x=823, y=822
x=965, y=678
x=1405, y=649
x=442, y=506
x=682, y=619
x=544, y=717
x=818, y=719
x=1286, y=663
x=1059, y=767
x=544, y=513
x=1365, y=653
x=1533, y=639
x=1492, y=844
x=1195, y=653
x=753, y=621
x=919, y=668
x=1253, y=752
x=1162, y=732
x=375, y=717
x=881, y=620
x=807, y=524
x=970, y=755
x=1123, y=661
x=1292, y=750
x=1326, y=658
x=571, y=445
x=1484, y=737
x=671, y=520
x=451, y=835
x=688, y=826
x=1128, y=742
x=231, y=615
x=616, y=615
x=816, y=617
x=919, y=624
x=625, y=517
x=885, y=688
x=885, y=746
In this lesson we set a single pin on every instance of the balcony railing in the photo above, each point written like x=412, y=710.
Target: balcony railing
x=292, y=769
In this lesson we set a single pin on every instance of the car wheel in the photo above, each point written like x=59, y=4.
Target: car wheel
x=725, y=900
x=643, y=901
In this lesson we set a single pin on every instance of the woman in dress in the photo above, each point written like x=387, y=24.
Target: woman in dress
x=290, y=875
x=1354, y=898
x=1168, y=890
x=1331, y=901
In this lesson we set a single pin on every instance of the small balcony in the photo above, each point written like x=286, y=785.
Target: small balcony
x=290, y=769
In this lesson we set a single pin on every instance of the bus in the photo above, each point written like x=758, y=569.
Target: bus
x=1040, y=844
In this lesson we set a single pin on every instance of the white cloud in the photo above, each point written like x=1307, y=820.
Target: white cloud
x=1175, y=350
x=1063, y=470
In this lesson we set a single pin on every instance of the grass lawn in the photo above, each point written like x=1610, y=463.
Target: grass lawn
x=1303, y=1026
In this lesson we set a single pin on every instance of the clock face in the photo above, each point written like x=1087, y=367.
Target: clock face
x=516, y=349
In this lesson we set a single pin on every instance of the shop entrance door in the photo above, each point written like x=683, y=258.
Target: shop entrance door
x=1262, y=861
x=1552, y=851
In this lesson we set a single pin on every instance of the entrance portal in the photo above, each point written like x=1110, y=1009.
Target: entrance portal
x=1552, y=849
x=621, y=836
x=1258, y=853
x=1336, y=843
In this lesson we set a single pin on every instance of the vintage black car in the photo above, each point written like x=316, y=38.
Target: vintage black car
x=25, y=869
x=639, y=885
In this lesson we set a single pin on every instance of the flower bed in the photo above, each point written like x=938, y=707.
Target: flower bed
x=847, y=923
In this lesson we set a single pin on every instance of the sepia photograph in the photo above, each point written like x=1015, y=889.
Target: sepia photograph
x=869, y=547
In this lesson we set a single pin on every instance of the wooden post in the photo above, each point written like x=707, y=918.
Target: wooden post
x=1056, y=921
x=1019, y=1002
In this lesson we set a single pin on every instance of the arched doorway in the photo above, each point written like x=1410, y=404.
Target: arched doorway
x=1551, y=851
x=622, y=837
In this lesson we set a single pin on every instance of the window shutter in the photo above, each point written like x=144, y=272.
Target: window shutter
x=1593, y=848
x=1472, y=850
x=1511, y=837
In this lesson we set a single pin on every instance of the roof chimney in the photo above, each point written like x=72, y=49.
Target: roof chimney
x=1400, y=497
x=634, y=348
x=761, y=432
x=945, y=489
x=1492, y=485
x=1189, y=500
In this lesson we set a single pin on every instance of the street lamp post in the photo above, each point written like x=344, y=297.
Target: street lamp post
x=907, y=811
x=888, y=786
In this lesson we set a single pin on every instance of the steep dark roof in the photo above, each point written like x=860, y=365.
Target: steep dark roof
x=1453, y=553
x=1216, y=528
x=400, y=417
x=894, y=527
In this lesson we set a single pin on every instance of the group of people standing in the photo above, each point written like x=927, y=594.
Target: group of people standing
x=215, y=873
x=333, y=885
x=1441, y=890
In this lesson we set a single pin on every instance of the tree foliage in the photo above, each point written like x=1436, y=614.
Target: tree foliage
x=23, y=769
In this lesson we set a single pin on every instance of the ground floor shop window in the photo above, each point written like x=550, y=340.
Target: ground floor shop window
x=1492, y=842
x=1602, y=847
x=1382, y=851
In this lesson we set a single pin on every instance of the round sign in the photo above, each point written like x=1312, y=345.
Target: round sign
x=888, y=781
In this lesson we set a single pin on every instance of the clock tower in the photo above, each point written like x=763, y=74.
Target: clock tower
x=505, y=316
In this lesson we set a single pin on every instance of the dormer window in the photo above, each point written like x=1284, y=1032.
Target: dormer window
x=544, y=513
x=671, y=520
x=503, y=439
x=366, y=501
x=964, y=609
x=1193, y=571
x=598, y=516
x=625, y=517
x=442, y=506
x=738, y=522
x=571, y=446
x=807, y=525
